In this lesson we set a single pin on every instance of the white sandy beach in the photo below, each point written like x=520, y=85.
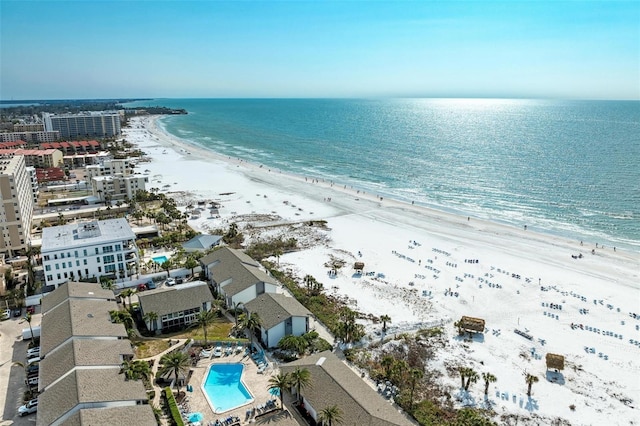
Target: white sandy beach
x=419, y=271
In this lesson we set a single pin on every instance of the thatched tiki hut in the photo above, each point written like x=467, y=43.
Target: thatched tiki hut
x=472, y=325
x=359, y=266
x=555, y=361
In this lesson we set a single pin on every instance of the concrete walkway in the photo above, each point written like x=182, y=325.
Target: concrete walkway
x=156, y=366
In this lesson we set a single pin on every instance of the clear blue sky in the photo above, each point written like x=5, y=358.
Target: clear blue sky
x=107, y=49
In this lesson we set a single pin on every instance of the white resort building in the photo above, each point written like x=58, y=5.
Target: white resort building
x=91, y=249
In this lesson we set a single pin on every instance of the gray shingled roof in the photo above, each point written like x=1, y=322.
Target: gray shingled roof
x=178, y=298
x=334, y=383
x=86, y=386
x=244, y=272
x=82, y=352
x=140, y=415
x=202, y=242
x=75, y=290
x=274, y=308
x=227, y=254
x=80, y=318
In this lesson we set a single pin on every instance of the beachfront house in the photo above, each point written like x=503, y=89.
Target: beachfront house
x=280, y=315
x=334, y=383
x=201, y=242
x=81, y=351
x=237, y=277
x=175, y=307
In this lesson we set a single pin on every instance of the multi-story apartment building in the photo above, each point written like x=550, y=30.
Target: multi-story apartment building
x=101, y=124
x=91, y=249
x=16, y=204
x=35, y=189
x=28, y=127
x=38, y=158
x=118, y=187
x=31, y=137
x=114, y=179
x=109, y=168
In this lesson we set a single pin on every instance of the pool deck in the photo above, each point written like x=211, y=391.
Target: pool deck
x=257, y=385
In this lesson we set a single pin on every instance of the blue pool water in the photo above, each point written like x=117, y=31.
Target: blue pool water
x=159, y=259
x=224, y=389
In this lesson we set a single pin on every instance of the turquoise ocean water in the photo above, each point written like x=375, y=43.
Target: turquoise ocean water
x=570, y=168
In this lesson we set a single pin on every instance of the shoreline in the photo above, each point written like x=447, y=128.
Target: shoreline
x=261, y=174
x=426, y=267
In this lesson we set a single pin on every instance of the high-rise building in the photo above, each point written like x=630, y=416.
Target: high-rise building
x=16, y=204
x=101, y=124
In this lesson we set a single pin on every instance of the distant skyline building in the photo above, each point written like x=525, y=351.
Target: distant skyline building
x=92, y=249
x=16, y=204
x=31, y=136
x=101, y=124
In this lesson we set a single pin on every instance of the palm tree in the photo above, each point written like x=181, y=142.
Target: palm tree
x=174, y=363
x=250, y=322
x=122, y=317
x=190, y=263
x=300, y=379
x=385, y=319
x=150, y=318
x=136, y=370
x=166, y=265
x=387, y=363
x=415, y=374
x=236, y=305
x=530, y=379
x=298, y=344
x=472, y=377
x=204, y=319
x=488, y=378
x=279, y=382
x=27, y=319
x=330, y=415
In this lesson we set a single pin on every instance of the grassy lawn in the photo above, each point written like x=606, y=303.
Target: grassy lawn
x=219, y=330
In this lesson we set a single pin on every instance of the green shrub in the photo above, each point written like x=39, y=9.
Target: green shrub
x=173, y=407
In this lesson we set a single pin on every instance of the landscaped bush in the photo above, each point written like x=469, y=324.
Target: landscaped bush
x=173, y=407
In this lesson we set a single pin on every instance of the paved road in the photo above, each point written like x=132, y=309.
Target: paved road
x=12, y=387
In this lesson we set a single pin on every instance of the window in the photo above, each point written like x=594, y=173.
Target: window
x=68, y=264
x=77, y=263
x=107, y=249
x=57, y=266
x=46, y=257
x=109, y=268
x=75, y=253
x=61, y=255
x=84, y=252
x=49, y=277
x=58, y=276
x=47, y=267
x=99, y=268
x=85, y=261
x=119, y=257
x=97, y=250
x=108, y=259
x=55, y=256
x=118, y=247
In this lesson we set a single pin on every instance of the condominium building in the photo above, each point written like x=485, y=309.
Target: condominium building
x=31, y=137
x=114, y=180
x=38, y=158
x=118, y=187
x=16, y=204
x=85, y=250
x=28, y=127
x=33, y=178
x=101, y=124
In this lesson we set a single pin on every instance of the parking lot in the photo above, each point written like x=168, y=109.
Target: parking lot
x=12, y=386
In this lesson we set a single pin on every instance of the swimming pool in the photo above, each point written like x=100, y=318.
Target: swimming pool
x=224, y=389
x=159, y=259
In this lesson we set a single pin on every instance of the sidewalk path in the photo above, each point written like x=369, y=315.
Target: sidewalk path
x=156, y=365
